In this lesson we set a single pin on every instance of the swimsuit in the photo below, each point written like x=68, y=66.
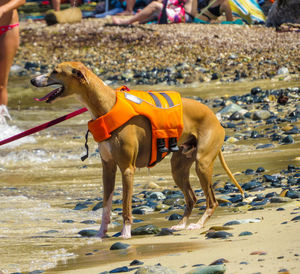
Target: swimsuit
x=212, y=12
x=175, y=11
x=4, y=29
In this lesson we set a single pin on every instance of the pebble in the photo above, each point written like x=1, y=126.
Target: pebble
x=261, y=115
x=282, y=71
x=230, y=109
x=157, y=196
x=119, y=245
x=218, y=228
x=280, y=200
x=165, y=232
x=136, y=262
x=264, y=146
x=151, y=185
x=98, y=206
x=245, y=233
x=218, y=235
x=252, y=185
x=219, y=261
x=146, y=230
x=244, y=221
x=258, y=253
x=269, y=178
x=175, y=216
x=120, y=269
x=293, y=194
x=88, y=222
x=284, y=271
x=155, y=269
x=68, y=221
x=88, y=233
x=288, y=140
x=260, y=169
x=82, y=205
x=297, y=218
x=211, y=269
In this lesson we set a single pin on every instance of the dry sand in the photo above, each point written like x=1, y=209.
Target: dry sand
x=279, y=241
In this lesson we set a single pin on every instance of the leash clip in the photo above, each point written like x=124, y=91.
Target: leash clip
x=84, y=157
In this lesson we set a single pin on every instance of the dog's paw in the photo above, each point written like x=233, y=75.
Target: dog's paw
x=126, y=232
x=194, y=226
x=178, y=227
x=101, y=235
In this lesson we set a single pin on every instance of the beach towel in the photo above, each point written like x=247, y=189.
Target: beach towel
x=248, y=10
x=235, y=22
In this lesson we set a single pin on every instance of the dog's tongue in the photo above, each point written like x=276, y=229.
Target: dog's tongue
x=46, y=96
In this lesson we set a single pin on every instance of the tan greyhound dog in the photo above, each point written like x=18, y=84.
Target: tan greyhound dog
x=129, y=146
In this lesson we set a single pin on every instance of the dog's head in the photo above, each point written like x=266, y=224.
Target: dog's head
x=70, y=77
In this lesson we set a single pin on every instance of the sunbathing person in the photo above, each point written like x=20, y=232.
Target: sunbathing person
x=215, y=9
x=177, y=11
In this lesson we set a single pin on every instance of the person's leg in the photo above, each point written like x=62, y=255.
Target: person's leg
x=129, y=8
x=146, y=14
x=9, y=43
x=130, y=5
x=56, y=5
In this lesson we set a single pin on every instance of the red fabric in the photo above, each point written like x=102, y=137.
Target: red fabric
x=4, y=29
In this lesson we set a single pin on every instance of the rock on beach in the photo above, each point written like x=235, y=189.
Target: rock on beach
x=152, y=54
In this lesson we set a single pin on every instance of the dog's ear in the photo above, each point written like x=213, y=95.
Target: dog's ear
x=79, y=74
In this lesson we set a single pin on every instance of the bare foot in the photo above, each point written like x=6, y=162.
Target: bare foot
x=119, y=21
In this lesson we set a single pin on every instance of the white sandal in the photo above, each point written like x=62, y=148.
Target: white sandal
x=4, y=113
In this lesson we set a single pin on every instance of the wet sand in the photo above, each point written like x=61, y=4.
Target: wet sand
x=279, y=241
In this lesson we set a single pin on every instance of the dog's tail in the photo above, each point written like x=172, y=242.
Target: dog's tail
x=222, y=160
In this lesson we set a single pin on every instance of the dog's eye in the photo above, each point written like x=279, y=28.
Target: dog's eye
x=77, y=73
x=54, y=71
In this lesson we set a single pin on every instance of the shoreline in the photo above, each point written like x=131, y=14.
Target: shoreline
x=268, y=235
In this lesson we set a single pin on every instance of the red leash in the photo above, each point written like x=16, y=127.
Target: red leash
x=43, y=126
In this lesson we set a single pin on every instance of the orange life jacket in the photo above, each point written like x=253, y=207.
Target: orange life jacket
x=163, y=109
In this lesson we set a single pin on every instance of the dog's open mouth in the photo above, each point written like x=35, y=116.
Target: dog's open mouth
x=51, y=95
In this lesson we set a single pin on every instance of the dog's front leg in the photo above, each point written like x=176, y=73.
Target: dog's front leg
x=109, y=175
x=127, y=181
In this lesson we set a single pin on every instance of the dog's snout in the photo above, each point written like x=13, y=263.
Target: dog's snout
x=42, y=81
x=33, y=82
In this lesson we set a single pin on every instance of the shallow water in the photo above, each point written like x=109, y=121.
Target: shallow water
x=43, y=178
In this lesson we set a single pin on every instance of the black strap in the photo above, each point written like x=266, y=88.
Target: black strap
x=84, y=157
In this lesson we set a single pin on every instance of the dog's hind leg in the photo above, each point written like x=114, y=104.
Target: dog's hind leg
x=109, y=175
x=208, y=147
x=204, y=172
x=180, y=171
